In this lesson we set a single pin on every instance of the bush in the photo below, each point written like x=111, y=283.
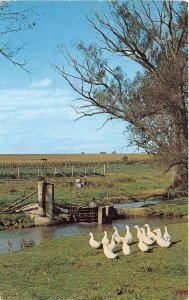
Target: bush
x=125, y=158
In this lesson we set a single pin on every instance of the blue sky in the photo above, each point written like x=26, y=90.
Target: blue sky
x=36, y=114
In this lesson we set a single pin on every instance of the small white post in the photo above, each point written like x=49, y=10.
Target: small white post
x=85, y=171
x=72, y=171
x=104, y=169
x=55, y=171
x=65, y=168
x=94, y=171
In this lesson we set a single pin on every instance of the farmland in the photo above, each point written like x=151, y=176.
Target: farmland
x=70, y=159
x=137, y=176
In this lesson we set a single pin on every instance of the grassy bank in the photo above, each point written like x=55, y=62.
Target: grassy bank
x=174, y=208
x=121, y=182
x=67, y=268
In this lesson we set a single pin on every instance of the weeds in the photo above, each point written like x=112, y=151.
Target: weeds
x=24, y=243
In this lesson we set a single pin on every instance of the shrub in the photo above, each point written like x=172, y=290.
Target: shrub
x=125, y=158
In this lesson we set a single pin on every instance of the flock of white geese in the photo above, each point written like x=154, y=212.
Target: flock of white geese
x=145, y=239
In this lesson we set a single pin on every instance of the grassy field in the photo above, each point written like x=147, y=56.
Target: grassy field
x=120, y=182
x=67, y=268
x=70, y=159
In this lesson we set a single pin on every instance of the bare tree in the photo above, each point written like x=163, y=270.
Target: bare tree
x=154, y=104
x=14, y=19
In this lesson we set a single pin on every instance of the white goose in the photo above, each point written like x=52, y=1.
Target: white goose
x=166, y=235
x=142, y=246
x=146, y=239
x=150, y=234
x=119, y=239
x=139, y=233
x=93, y=242
x=126, y=248
x=105, y=239
x=160, y=241
x=128, y=236
x=108, y=253
x=159, y=232
x=112, y=245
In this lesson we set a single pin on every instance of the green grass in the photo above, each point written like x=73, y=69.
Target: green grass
x=67, y=268
x=177, y=207
x=123, y=180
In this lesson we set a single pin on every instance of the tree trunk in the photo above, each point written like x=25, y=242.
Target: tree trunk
x=180, y=177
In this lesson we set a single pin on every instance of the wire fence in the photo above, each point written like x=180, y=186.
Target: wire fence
x=58, y=171
x=44, y=169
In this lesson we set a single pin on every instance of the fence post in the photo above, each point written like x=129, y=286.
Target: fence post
x=18, y=172
x=72, y=172
x=55, y=171
x=104, y=171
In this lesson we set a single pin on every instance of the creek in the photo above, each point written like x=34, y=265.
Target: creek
x=11, y=239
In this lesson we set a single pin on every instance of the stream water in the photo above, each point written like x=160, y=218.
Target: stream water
x=38, y=234
x=136, y=204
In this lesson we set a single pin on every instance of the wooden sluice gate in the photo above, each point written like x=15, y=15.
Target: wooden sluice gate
x=100, y=214
x=88, y=214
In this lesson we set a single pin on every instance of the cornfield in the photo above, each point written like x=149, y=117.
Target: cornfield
x=57, y=160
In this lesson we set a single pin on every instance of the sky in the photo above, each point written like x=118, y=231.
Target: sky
x=36, y=111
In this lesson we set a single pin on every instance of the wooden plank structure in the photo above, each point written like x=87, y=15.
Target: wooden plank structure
x=46, y=208
x=100, y=214
x=88, y=214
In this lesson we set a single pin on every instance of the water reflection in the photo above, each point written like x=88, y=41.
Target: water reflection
x=136, y=204
x=39, y=234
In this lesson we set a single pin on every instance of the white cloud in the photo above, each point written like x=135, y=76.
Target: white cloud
x=42, y=121
x=41, y=83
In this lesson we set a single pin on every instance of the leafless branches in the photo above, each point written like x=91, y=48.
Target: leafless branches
x=154, y=104
x=12, y=22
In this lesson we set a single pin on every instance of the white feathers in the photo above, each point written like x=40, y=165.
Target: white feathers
x=150, y=234
x=128, y=236
x=105, y=239
x=160, y=240
x=112, y=245
x=142, y=246
x=108, y=253
x=166, y=235
x=126, y=248
x=139, y=233
x=145, y=240
x=93, y=242
x=119, y=239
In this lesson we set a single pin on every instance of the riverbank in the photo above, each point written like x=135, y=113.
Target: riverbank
x=177, y=207
x=68, y=268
